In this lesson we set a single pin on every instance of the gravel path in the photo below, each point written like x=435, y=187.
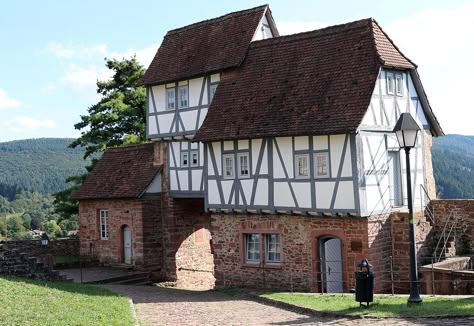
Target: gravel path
x=162, y=306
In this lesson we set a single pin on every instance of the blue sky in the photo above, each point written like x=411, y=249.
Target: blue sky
x=53, y=52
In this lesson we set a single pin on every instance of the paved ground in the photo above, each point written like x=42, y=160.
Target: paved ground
x=161, y=306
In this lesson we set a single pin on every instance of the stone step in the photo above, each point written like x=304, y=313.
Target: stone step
x=124, y=278
x=133, y=281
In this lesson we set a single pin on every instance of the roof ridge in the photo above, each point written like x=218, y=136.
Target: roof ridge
x=314, y=33
x=216, y=19
x=128, y=147
x=391, y=42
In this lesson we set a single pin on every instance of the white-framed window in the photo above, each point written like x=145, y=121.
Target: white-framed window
x=184, y=159
x=302, y=166
x=399, y=84
x=243, y=165
x=103, y=217
x=212, y=91
x=228, y=166
x=321, y=165
x=194, y=158
x=272, y=248
x=170, y=98
x=183, y=96
x=253, y=247
x=390, y=83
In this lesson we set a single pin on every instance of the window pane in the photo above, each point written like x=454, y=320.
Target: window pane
x=252, y=245
x=302, y=166
x=243, y=165
x=170, y=98
x=228, y=166
x=212, y=91
x=183, y=96
x=195, y=159
x=390, y=84
x=321, y=161
x=272, y=248
x=184, y=159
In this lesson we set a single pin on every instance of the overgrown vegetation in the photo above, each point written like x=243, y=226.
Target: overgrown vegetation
x=383, y=306
x=28, y=302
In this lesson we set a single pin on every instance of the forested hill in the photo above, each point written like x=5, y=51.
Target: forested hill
x=38, y=165
x=453, y=165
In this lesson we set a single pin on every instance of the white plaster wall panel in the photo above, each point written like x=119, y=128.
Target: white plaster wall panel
x=176, y=155
x=205, y=98
x=218, y=156
x=159, y=95
x=383, y=83
x=324, y=191
x=243, y=144
x=392, y=142
x=247, y=186
x=210, y=166
x=194, y=145
x=261, y=193
x=183, y=180
x=286, y=149
x=185, y=145
x=345, y=196
x=389, y=110
x=173, y=181
x=165, y=120
x=347, y=167
x=320, y=143
x=155, y=185
x=241, y=200
x=196, y=176
x=264, y=166
x=337, y=145
x=215, y=78
x=201, y=153
x=183, y=83
x=301, y=143
x=402, y=105
x=302, y=193
x=152, y=129
x=282, y=195
x=226, y=189
x=189, y=119
x=369, y=116
x=213, y=192
x=278, y=171
x=170, y=85
x=228, y=145
x=195, y=86
x=202, y=116
x=376, y=88
x=255, y=151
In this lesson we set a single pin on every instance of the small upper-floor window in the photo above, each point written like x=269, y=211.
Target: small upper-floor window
x=184, y=159
x=321, y=165
x=104, y=216
x=212, y=91
x=399, y=84
x=228, y=166
x=194, y=158
x=243, y=167
x=390, y=83
x=302, y=166
x=183, y=96
x=170, y=99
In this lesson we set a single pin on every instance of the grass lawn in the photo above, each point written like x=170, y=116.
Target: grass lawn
x=383, y=306
x=28, y=302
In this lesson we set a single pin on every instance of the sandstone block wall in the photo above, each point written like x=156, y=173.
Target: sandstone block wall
x=300, y=269
x=55, y=248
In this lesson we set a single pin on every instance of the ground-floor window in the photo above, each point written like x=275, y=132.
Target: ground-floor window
x=262, y=248
x=104, y=232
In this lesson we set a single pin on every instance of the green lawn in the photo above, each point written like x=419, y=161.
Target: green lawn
x=383, y=306
x=27, y=302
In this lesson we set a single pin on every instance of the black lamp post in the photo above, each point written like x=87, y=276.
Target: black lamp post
x=44, y=239
x=406, y=131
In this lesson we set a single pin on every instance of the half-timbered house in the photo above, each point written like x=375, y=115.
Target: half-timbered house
x=277, y=152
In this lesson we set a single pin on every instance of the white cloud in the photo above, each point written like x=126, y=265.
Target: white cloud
x=286, y=28
x=439, y=42
x=144, y=56
x=83, y=80
x=75, y=51
x=6, y=101
x=24, y=124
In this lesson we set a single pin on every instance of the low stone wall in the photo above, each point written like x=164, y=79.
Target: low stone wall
x=55, y=247
x=448, y=277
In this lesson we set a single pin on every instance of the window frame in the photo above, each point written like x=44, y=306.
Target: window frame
x=182, y=165
x=315, y=158
x=103, y=224
x=186, y=87
x=224, y=166
x=399, y=82
x=263, y=248
x=247, y=236
x=168, y=97
x=267, y=250
x=390, y=76
x=191, y=153
x=296, y=167
x=239, y=169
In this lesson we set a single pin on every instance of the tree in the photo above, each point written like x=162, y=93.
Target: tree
x=119, y=117
x=53, y=229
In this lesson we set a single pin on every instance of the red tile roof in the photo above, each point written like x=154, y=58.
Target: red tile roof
x=317, y=82
x=205, y=47
x=122, y=172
